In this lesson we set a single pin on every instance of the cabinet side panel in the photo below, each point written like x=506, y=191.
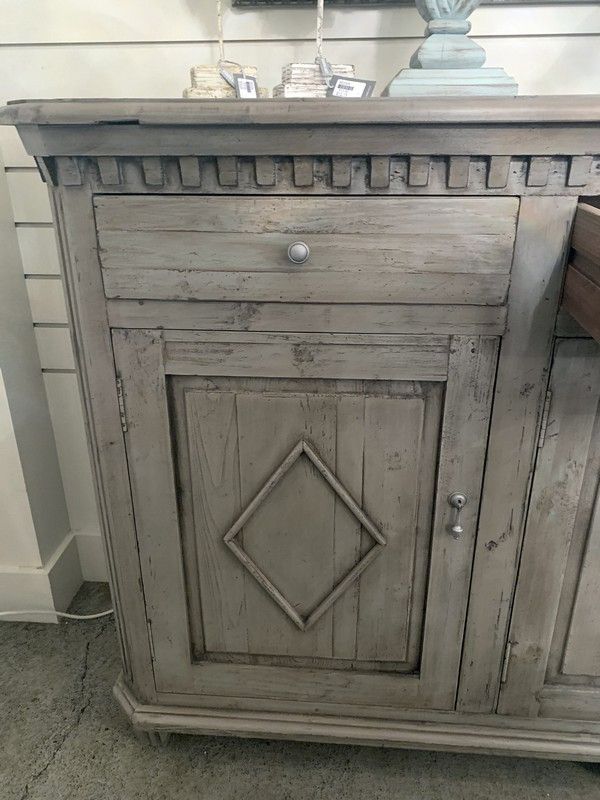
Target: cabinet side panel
x=543, y=232
x=582, y=655
x=72, y=207
x=556, y=488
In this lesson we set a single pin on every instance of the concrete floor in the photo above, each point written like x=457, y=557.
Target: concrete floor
x=62, y=736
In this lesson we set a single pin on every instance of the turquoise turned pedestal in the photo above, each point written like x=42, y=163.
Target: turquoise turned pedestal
x=448, y=62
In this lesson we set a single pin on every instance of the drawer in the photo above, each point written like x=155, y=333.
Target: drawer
x=443, y=250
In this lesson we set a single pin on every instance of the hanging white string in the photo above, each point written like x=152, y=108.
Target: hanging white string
x=220, y=31
x=223, y=62
x=320, y=14
x=324, y=65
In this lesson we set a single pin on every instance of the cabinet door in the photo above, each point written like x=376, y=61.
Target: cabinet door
x=554, y=664
x=291, y=502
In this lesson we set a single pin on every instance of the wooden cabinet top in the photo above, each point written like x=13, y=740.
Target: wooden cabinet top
x=487, y=111
x=514, y=146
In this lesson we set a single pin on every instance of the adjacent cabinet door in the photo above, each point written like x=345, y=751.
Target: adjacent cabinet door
x=553, y=668
x=291, y=502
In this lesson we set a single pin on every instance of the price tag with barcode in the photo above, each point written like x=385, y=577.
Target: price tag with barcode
x=246, y=87
x=352, y=88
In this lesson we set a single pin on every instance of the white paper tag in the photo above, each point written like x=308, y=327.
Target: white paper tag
x=351, y=88
x=246, y=87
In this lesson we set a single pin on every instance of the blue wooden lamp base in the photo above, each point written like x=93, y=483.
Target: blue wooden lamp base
x=448, y=62
x=447, y=82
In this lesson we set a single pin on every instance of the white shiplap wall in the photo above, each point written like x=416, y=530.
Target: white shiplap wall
x=144, y=48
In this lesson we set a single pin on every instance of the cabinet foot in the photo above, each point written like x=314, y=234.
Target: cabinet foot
x=154, y=738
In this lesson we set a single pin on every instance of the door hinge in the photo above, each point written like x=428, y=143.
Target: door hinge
x=121, y=401
x=149, y=626
x=544, y=422
x=507, y=653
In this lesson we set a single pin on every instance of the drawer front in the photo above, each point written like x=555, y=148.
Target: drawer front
x=362, y=249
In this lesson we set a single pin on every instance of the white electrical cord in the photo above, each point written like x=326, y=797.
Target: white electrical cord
x=57, y=613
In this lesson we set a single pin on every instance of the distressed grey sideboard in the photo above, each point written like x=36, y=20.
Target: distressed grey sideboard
x=307, y=332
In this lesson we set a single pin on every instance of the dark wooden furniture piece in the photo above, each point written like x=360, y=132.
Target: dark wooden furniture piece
x=582, y=284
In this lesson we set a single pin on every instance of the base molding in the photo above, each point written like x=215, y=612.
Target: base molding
x=51, y=586
x=450, y=733
x=481, y=82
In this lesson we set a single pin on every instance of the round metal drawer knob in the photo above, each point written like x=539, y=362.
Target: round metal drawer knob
x=298, y=252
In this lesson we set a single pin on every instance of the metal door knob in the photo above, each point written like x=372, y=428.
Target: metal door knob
x=458, y=501
x=298, y=252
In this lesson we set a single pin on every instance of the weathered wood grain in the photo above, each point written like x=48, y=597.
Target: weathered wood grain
x=267, y=252
x=209, y=249
x=68, y=171
x=303, y=171
x=189, y=168
x=265, y=171
x=227, y=170
x=309, y=317
x=542, y=237
x=380, y=172
x=581, y=535
x=537, y=173
x=295, y=215
x=458, y=172
x=306, y=141
x=575, y=387
x=73, y=211
x=379, y=355
x=579, y=170
x=290, y=356
x=446, y=732
x=290, y=535
x=463, y=440
x=581, y=299
x=586, y=232
x=212, y=440
x=418, y=170
x=153, y=171
x=298, y=287
x=582, y=653
x=394, y=451
x=341, y=171
x=109, y=169
x=570, y=702
x=139, y=361
x=498, y=169
x=433, y=110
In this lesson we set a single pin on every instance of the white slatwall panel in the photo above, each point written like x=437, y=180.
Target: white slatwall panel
x=67, y=420
x=48, y=21
x=47, y=300
x=13, y=152
x=29, y=196
x=555, y=64
x=144, y=48
x=54, y=347
x=38, y=247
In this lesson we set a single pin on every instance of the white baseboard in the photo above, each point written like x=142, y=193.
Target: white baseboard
x=50, y=587
x=91, y=556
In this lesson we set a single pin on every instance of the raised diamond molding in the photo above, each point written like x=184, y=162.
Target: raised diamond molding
x=306, y=622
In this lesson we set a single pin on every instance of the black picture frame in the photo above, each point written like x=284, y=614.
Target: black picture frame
x=384, y=3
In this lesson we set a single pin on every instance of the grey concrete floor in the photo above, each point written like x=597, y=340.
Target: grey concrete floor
x=62, y=736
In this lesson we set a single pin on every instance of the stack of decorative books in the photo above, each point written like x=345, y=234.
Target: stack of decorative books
x=208, y=82
x=307, y=80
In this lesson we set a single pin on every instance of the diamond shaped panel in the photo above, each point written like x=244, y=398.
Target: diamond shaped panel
x=230, y=538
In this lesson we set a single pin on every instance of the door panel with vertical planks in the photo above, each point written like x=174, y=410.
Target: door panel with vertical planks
x=291, y=500
x=553, y=667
